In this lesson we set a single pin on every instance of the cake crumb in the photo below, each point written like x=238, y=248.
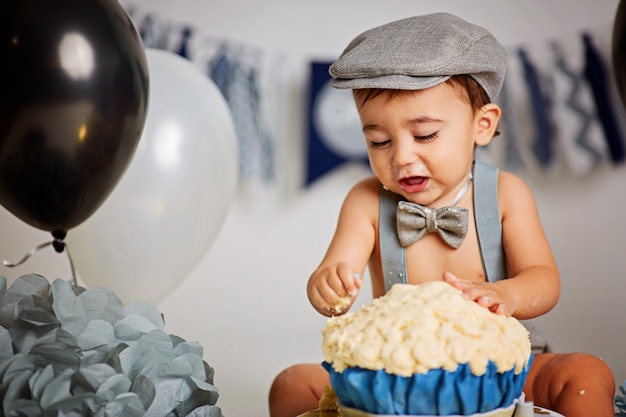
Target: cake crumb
x=328, y=402
x=581, y=392
x=341, y=305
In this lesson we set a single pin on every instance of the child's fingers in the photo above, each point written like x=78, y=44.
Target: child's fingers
x=350, y=279
x=501, y=309
x=457, y=282
x=357, y=282
x=493, y=305
x=319, y=299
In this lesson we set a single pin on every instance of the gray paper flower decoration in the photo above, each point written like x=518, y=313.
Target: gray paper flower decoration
x=70, y=351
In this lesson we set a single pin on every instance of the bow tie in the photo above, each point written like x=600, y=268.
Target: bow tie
x=415, y=221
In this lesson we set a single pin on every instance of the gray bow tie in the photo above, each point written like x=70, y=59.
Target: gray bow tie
x=415, y=221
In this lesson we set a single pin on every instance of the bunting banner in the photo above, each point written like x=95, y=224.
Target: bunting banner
x=334, y=128
x=239, y=72
x=562, y=114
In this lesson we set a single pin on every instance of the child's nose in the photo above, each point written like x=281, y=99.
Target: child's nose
x=404, y=153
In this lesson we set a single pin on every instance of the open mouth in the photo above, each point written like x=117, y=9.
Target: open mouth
x=413, y=184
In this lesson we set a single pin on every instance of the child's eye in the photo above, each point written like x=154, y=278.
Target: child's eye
x=375, y=145
x=426, y=138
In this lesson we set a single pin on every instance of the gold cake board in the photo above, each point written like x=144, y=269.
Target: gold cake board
x=523, y=411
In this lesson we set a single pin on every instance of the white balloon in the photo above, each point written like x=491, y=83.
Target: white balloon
x=168, y=207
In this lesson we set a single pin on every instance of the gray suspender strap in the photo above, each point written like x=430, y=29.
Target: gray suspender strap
x=392, y=254
x=488, y=228
x=488, y=224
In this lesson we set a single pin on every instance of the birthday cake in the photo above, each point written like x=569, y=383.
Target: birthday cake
x=426, y=350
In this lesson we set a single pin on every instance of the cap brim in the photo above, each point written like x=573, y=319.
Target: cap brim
x=392, y=82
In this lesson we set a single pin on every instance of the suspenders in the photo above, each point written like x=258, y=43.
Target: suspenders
x=487, y=218
x=488, y=228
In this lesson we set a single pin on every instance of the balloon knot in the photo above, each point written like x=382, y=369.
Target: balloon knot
x=58, y=245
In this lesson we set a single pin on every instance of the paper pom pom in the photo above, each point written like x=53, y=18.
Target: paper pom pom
x=67, y=350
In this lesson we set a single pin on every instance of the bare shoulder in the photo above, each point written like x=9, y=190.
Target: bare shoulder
x=365, y=190
x=513, y=192
x=509, y=183
x=363, y=197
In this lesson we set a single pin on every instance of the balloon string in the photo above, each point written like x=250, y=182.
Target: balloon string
x=72, y=270
x=37, y=249
x=25, y=257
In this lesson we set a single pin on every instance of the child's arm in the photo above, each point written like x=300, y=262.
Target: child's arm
x=533, y=286
x=333, y=286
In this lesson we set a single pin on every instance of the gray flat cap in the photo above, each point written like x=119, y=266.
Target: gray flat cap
x=420, y=52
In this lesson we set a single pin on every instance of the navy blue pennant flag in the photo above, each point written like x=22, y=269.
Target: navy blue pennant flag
x=595, y=72
x=334, y=128
x=183, y=47
x=543, y=145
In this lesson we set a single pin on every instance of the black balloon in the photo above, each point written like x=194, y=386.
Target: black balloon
x=618, y=50
x=73, y=102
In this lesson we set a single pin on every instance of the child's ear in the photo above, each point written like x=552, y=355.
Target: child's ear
x=487, y=119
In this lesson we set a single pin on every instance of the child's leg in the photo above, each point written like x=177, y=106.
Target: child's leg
x=297, y=389
x=573, y=384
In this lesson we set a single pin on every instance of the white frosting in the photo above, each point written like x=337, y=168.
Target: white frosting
x=416, y=328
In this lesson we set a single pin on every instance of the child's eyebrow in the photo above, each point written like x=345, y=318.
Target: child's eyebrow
x=424, y=119
x=370, y=126
x=416, y=121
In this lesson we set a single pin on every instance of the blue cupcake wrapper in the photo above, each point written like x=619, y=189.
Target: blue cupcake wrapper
x=437, y=392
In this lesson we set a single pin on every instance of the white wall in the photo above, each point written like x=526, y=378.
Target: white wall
x=246, y=303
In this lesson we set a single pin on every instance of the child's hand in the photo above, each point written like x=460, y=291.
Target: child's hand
x=333, y=288
x=484, y=293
